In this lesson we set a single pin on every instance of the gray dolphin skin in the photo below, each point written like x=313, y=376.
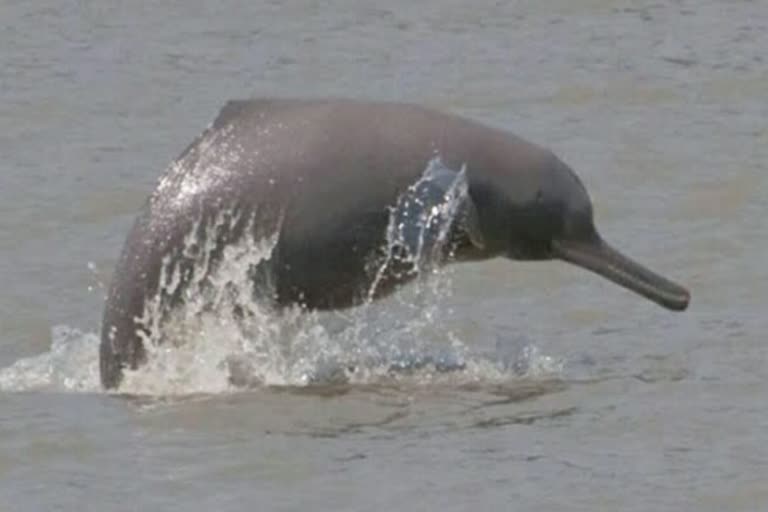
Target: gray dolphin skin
x=323, y=176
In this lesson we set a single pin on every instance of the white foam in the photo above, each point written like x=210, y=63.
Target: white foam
x=296, y=349
x=72, y=364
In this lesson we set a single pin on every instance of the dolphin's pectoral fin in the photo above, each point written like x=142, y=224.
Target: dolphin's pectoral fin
x=453, y=186
x=434, y=212
x=471, y=224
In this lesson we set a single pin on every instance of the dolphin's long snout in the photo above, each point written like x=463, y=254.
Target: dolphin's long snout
x=603, y=259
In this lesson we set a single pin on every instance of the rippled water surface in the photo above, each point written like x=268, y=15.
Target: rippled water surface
x=512, y=386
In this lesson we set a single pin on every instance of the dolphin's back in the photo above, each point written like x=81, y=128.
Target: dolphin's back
x=323, y=173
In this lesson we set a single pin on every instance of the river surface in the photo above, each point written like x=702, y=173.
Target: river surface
x=572, y=394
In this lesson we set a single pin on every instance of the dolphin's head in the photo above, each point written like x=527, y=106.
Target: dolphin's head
x=544, y=212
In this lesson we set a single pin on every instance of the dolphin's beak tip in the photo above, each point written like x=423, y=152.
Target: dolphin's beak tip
x=683, y=303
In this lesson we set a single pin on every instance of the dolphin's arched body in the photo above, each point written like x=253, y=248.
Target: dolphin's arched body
x=326, y=177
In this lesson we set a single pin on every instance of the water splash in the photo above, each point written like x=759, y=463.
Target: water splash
x=420, y=223
x=97, y=280
x=212, y=329
x=308, y=351
x=71, y=365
